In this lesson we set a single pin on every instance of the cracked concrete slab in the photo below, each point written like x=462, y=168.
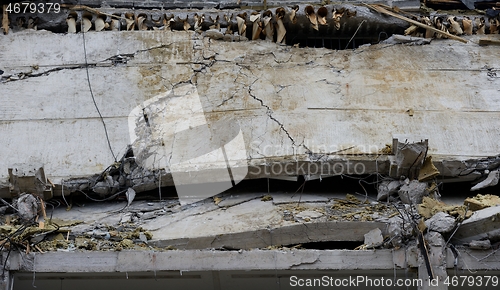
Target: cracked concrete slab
x=277, y=103
x=250, y=216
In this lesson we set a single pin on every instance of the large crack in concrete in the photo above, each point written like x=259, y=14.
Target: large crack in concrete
x=269, y=113
x=26, y=75
x=115, y=59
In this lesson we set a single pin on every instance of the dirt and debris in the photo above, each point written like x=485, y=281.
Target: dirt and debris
x=430, y=206
x=373, y=239
x=53, y=237
x=353, y=209
x=481, y=201
x=27, y=206
x=267, y=198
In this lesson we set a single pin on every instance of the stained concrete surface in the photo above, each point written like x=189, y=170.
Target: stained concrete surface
x=277, y=105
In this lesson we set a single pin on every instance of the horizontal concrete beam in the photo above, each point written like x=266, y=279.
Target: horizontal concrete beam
x=209, y=260
x=195, y=260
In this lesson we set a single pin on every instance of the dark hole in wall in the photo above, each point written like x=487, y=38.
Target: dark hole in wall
x=330, y=245
x=346, y=38
x=336, y=43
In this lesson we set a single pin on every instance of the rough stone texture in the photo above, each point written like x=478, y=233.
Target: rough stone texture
x=440, y=222
x=412, y=193
x=491, y=180
x=479, y=224
x=374, y=238
x=309, y=214
x=27, y=206
x=480, y=245
x=387, y=188
x=279, y=100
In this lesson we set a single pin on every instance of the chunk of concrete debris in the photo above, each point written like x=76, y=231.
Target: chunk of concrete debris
x=374, y=238
x=214, y=34
x=387, y=188
x=413, y=193
x=126, y=217
x=397, y=231
x=143, y=238
x=480, y=245
x=480, y=223
x=435, y=239
x=309, y=214
x=130, y=194
x=408, y=155
x=406, y=39
x=494, y=236
x=109, y=185
x=491, y=180
x=482, y=201
x=27, y=206
x=441, y=222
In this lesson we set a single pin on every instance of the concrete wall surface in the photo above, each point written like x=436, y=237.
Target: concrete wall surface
x=295, y=104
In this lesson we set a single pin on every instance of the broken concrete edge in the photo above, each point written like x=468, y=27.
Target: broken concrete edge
x=212, y=260
x=142, y=179
x=479, y=224
x=299, y=233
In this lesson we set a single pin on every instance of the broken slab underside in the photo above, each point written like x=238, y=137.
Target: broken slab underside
x=244, y=231
x=81, y=253
x=299, y=109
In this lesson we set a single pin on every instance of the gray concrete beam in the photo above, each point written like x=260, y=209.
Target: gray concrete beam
x=201, y=260
x=210, y=260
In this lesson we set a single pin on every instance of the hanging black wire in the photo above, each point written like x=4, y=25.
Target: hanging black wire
x=92, y=95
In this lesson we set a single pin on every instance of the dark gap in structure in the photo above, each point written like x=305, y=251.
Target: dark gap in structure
x=332, y=42
x=332, y=245
x=332, y=184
